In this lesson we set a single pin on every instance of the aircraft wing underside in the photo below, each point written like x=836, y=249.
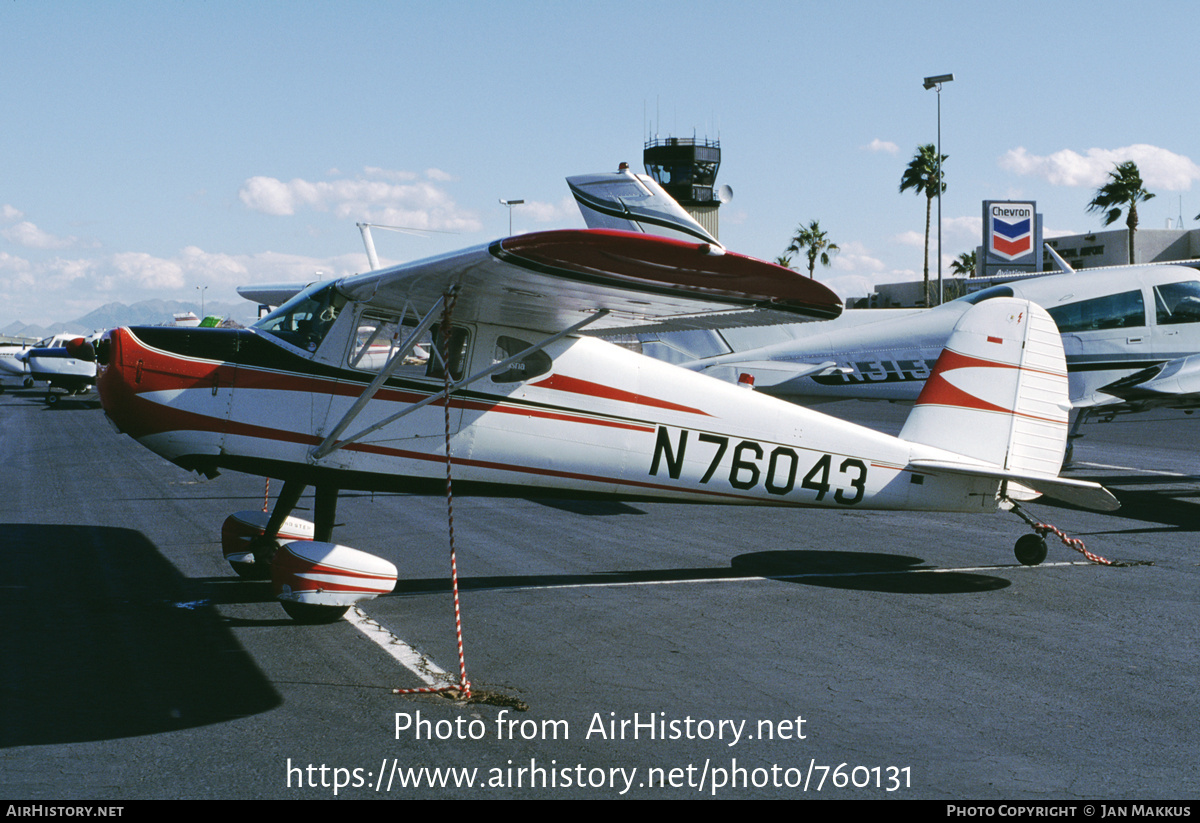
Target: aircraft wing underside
x=1173, y=385
x=548, y=281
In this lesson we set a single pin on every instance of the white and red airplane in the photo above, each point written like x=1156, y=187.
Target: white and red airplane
x=62, y=361
x=524, y=397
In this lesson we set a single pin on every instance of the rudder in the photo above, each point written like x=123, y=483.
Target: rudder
x=999, y=390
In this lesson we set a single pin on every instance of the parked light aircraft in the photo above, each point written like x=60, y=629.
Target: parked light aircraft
x=1131, y=335
x=61, y=361
x=329, y=390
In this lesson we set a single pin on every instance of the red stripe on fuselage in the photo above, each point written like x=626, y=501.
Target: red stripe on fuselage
x=561, y=382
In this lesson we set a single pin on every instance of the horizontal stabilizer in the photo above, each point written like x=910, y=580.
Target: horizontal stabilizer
x=1082, y=493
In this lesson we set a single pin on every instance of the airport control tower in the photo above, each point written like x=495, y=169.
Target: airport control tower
x=687, y=169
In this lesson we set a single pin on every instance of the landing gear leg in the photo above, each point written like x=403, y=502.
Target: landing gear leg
x=326, y=513
x=264, y=546
x=1074, y=435
x=1031, y=548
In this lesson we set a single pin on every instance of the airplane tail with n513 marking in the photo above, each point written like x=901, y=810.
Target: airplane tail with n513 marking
x=492, y=360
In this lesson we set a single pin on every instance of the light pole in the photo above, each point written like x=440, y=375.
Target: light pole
x=936, y=82
x=510, y=204
x=201, y=289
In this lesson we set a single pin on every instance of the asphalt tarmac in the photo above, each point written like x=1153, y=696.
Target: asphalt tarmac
x=615, y=650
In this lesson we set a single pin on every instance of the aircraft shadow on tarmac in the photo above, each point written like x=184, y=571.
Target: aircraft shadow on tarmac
x=856, y=571
x=1172, y=504
x=103, y=638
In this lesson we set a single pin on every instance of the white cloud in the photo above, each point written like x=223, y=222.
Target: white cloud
x=853, y=258
x=885, y=146
x=7, y=212
x=1160, y=168
x=960, y=229
x=146, y=271
x=61, y=289
x=31, y=237
x=911, y=238
x=394, y=198
x=540, y=212
x=386, y=174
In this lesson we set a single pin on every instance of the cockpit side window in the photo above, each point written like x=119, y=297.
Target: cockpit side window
x=379, y=336
x=377, y=339
x=1113, y=311
x=1177, y=303
x=304, y=320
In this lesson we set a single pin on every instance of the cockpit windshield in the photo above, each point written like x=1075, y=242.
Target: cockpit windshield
x=304, y=320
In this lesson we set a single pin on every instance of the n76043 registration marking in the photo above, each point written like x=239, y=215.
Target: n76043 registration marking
x=751, y=464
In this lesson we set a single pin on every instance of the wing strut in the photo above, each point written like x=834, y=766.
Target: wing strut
x=326, y=445
x=331, y=443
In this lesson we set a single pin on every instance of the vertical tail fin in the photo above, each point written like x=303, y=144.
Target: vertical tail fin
x=999, y=391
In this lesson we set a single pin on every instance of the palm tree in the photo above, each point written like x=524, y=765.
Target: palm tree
x=1124, y=189
x=814, y=243
x=964, y=264
x=784, y=260
x=922, y=176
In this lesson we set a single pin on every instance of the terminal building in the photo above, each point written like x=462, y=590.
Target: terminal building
x=1111, y=248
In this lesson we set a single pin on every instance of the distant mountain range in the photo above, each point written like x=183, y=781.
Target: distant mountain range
x=145, y=313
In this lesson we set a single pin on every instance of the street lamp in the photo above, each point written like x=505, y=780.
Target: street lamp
x=510, y=204
x=201, y=289
x=936, y=82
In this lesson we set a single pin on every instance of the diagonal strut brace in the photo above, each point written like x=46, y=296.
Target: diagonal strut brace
x=331, y=443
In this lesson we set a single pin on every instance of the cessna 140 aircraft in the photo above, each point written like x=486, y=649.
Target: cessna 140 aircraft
x=331, y=390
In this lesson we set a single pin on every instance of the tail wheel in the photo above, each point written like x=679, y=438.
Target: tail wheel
x=1030, y=550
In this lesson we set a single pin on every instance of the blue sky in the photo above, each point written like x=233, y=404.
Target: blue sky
x=150, y=148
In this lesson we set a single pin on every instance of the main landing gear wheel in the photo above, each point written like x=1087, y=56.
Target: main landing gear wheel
x=1030, y=549
x=311, y=615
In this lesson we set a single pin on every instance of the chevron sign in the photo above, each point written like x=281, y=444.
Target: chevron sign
x=1010, y=230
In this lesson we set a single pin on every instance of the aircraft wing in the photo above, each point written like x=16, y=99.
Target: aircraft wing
x=1174, y=385
x=272, y=294
x=548, y=281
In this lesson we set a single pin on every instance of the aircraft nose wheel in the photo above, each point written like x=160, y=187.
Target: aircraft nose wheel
x=1030, y=549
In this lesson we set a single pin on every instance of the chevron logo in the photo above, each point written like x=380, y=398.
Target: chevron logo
x=1011, y=235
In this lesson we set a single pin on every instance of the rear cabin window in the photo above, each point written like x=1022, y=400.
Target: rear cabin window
x=531, y=365
x=1114, y=311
